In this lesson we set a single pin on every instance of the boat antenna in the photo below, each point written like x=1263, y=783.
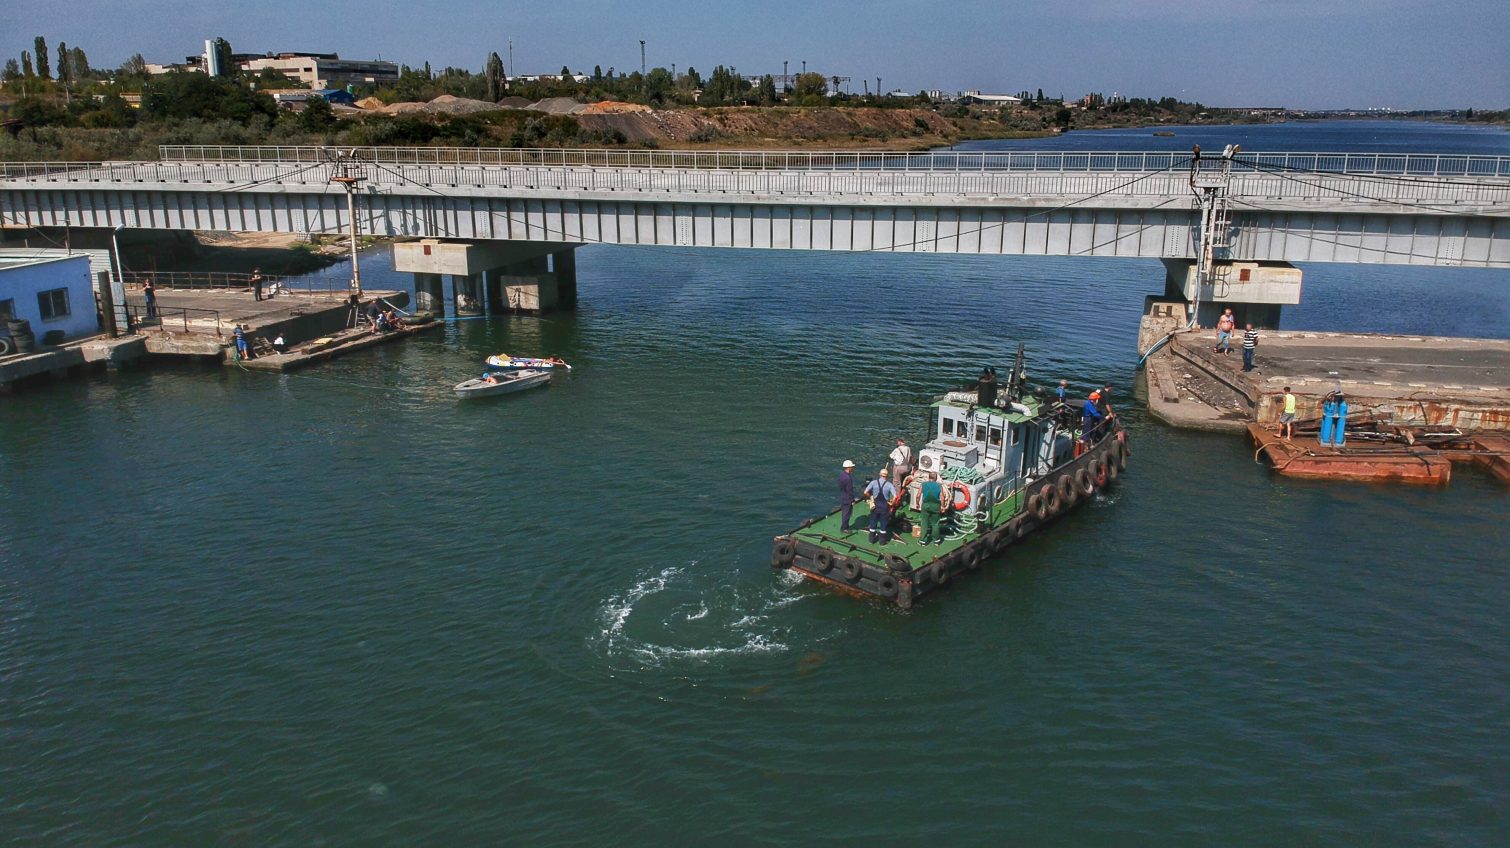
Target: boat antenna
x=1019, y=373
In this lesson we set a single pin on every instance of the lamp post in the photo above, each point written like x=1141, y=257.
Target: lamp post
x=642, y=57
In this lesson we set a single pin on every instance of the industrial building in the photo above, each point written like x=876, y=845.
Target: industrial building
x=317, y=70
x=53, y=292
x=324, y=70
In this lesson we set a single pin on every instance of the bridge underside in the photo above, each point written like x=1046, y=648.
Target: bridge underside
x=1169, y=232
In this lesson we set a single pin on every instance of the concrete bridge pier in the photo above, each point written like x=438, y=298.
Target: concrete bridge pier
x=430, y=294
x=468, y=291
x=1256, y=292
x=496, y=276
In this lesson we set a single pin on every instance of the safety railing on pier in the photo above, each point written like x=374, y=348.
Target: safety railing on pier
x=1394, y=164
x=180, y=319
x=273, y=285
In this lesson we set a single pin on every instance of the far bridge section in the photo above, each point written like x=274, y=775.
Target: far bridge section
x=1264, y=209
x=1285, y=207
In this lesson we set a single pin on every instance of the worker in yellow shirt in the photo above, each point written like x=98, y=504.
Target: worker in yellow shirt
x=1287, y=417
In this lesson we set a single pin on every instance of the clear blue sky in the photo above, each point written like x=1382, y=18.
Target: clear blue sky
x=1298, y=53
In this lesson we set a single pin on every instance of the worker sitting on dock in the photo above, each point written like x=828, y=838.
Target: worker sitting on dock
x=881, y=493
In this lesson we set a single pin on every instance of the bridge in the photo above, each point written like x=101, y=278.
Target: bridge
x=1428, y=209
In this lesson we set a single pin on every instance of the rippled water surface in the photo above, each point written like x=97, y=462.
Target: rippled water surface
x=340, y=607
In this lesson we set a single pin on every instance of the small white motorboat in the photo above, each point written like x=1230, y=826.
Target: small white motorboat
x=502, y=383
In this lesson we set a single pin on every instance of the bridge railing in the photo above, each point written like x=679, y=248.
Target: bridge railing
x=1315, y=179
x=1392, y=164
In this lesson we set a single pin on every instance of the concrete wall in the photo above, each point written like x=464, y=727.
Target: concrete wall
x=21, y=282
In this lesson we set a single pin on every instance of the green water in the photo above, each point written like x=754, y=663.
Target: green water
x=343, y=608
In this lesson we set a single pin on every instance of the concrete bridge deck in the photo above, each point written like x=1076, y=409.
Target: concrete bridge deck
x=1420, y=209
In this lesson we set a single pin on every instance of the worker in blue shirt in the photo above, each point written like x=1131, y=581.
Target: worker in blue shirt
x=881, y=493
x=846, y=494
x=1090, y=418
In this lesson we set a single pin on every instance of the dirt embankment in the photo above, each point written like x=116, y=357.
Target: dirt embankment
x=770, y=127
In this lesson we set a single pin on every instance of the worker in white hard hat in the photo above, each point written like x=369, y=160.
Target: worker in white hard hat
x=846, y=494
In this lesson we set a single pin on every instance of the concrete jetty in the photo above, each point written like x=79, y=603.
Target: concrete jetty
x=1425, y=380
x=198, y=324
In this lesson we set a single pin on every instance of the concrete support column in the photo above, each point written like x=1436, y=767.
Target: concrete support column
x=430, y=294
x=468, y=291
x=1256, y=292
x=507, y=276
x=496, y=303
x=528, y=285
x=564, y=266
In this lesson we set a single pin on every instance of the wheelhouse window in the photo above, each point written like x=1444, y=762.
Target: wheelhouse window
x=996, y=436
x=53, y=304
x=948, y=426
x=980, y=432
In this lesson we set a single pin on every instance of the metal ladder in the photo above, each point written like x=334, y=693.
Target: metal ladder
x=1211, y=188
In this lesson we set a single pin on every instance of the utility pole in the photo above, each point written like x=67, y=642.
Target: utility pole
x=348, y=180
x=511, y=57
x=878, y=86
x=784, y=63
x=804, y=66
x=642, y=57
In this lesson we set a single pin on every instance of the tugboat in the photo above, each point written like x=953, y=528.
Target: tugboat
x=1010, y=465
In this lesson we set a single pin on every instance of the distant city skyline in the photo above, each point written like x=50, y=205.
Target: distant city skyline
x=1296, y=53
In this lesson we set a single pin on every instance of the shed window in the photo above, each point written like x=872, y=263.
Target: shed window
x=7, y=308
x=53, y=304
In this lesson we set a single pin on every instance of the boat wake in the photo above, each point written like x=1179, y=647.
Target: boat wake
x=670, y=616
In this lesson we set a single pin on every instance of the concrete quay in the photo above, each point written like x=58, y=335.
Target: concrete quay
x=1424, y=380
x=198, y=324
x=69, y=359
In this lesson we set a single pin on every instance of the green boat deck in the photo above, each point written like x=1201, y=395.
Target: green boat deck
x=856, y=543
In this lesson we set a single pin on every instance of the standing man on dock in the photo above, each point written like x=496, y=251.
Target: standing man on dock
x=256, y=282
x=901, y=463
x=1224, y=327
x=149, y=294
x=1250, y=344
x=1287, y=416
x=846, y=494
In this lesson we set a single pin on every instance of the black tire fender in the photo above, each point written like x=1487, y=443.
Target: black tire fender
x=783, y=552
x=1051, y=500
x=824, y=561
x=851, y=567
x=1085, y=481
x=1113, y=467
x=1017, y=529
x=939, y=573
x=887, y=584
x=7, y=346
x=1037, y=507
x=898, y=563
x=973, y=557
x=1068, y=494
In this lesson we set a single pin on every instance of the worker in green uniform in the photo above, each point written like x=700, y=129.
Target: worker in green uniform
x=933, y=510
